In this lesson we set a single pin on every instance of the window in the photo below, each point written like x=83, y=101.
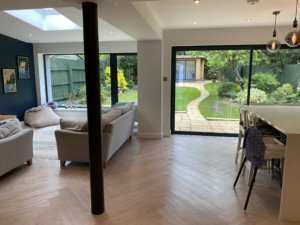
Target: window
x=65, y=79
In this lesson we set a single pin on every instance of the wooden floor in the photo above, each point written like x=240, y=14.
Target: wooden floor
x=184, y=180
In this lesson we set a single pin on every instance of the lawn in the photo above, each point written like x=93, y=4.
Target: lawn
x=128, y=96
x=184, y=95
x=215, y=107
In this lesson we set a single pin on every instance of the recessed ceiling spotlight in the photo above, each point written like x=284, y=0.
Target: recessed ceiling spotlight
x=196, y=1
x=195, y=22
x=252, y=2
x=249, y=20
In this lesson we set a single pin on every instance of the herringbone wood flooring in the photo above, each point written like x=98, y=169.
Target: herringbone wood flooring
x=180, y=180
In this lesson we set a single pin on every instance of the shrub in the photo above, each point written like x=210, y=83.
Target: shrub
x=227, y=88
x=81, y=95
x=257, y=96
x=298, y=87
x=283, y=93
x=265, y=81
x=122, y=83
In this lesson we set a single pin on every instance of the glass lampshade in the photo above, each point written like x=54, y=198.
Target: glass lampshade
x=273, y=45
x=293, y=38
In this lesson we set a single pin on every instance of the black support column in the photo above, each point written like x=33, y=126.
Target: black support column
x=92, y=75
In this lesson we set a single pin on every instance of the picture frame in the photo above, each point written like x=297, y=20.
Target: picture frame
x=23, y=67
x=9, y=80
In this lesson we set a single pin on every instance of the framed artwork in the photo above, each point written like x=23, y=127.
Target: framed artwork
x=9, y=80
x=23, y=67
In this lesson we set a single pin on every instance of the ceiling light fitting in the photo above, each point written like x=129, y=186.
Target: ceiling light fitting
x=196, y=1
x=274, y=45
x=293, y=37
x=252, y=2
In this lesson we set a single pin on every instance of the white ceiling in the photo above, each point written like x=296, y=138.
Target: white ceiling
x=144, y=20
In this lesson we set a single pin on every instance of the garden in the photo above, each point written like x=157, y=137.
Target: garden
x=275, y=80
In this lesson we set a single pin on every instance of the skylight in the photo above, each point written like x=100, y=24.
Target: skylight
x=46, y=19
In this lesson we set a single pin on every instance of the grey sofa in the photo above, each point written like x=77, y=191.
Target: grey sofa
x=73, y=145
x=15, y=150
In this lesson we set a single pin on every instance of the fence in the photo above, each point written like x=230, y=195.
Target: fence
x=67, y=76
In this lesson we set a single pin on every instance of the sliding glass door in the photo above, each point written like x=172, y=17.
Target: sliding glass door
x=275, y=77
x=207, y=83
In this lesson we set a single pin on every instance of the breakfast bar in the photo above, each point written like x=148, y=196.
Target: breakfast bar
x=287, y=120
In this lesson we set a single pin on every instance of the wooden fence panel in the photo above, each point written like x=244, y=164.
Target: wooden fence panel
x=67, y=76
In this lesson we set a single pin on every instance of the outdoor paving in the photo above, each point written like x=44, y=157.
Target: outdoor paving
x=193, y=121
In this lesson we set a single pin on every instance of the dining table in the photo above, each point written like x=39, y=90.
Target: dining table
x=286, y=119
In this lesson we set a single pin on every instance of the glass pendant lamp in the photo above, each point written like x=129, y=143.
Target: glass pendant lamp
x=293, y=37
x=274, y=45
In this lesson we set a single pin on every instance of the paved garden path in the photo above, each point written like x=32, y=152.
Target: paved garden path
x=193, y=120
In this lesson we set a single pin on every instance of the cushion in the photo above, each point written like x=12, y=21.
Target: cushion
x=9, y=127
x=74, y=125
x=105, y=109
x=113, y=114
x=124, y=108
x=41, y=117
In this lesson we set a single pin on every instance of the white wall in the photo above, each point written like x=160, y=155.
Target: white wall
x=69, y=48
x=149, y=89
x=206, y=37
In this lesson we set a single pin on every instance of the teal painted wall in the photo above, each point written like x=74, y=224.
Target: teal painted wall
x=25, y=97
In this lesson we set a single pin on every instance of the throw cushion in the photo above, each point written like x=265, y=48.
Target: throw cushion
x=10, y=127
x=74, y=125
x=124, y=108
x=105, y=110
x=113, y=114
x=41, y=117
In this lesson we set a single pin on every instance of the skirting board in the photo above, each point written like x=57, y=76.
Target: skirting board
x=150, y=135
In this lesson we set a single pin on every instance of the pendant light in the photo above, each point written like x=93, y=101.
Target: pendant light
x=274, y=45
x=293, y=37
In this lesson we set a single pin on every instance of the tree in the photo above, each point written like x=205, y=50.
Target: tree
x=282, y=57
x=221, y=60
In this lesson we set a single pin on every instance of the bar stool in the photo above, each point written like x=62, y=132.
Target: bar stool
x=258, y=149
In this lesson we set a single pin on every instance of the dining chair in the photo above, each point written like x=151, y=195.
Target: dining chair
x=267, y=131
x=258, y=149
x=243, y=125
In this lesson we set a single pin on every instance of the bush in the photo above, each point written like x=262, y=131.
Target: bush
x=298, y=87
x=257, y=96
x=228, y=88
x=265, y=81
x=81, y=95
x=283, y=93
x=122, y=83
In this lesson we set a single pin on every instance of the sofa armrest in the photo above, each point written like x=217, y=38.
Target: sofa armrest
x=117, y=133
x=72, y=145
x=16, y=149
